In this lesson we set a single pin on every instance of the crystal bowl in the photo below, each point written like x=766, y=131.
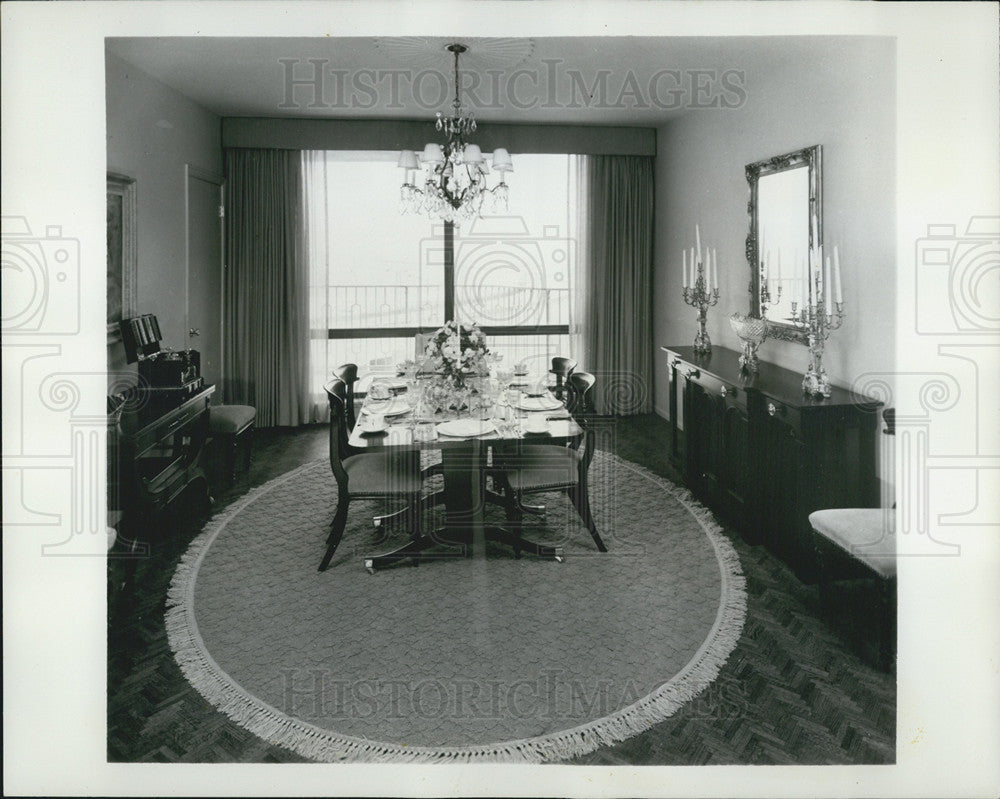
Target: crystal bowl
x=749, y=328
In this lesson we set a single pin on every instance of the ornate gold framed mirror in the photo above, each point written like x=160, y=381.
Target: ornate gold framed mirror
x=786, y=214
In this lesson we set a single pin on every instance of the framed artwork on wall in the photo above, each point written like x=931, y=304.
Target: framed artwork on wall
x=122, y=252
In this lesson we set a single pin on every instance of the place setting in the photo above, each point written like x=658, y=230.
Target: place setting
x=380, y=410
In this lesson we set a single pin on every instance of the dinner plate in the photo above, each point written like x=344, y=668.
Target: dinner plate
x=394, y=407
x=546, y=402
x=465, y=428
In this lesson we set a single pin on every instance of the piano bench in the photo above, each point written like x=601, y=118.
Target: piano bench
x=232, y=426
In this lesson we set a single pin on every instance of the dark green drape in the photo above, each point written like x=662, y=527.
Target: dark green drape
x=618, y=326
x=266, y=286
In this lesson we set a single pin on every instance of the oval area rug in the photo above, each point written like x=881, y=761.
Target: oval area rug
x=456, y=660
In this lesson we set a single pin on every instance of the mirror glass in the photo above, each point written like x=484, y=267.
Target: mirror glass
x=785, y=199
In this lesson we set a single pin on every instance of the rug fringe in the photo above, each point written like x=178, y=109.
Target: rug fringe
x=318, y=744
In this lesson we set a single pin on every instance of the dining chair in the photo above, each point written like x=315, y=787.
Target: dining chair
x=533, y=469
x=562, y=368
x=365, y=475
x=577, y=402
x=578, y=387
x=348, y=372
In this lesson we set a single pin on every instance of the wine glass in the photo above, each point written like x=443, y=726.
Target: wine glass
x=414, y=400
x=485, y=406
x=505, y=376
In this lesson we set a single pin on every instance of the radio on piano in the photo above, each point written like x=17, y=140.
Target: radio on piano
x=162, y=371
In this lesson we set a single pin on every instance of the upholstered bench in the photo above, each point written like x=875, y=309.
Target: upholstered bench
x=231, y=425
x=859, y=543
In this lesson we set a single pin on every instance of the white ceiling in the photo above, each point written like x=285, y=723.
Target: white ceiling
x=246, y=76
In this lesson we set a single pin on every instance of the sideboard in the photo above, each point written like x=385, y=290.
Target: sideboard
x=765, y=455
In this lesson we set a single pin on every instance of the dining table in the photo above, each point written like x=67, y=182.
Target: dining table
x=464, y=440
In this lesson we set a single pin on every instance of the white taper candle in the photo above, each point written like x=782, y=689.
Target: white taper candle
x=827, y=287
x=805, y=282
x=836, y=274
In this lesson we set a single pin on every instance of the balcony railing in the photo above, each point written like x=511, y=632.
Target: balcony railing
x=373, y=326
x=368, y=307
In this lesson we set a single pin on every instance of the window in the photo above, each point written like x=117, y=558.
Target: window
x=379, y=277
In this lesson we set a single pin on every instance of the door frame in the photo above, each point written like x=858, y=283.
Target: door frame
x=197, y=173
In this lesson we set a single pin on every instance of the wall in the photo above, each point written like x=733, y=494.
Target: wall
x=152, y=132
x=843, y=99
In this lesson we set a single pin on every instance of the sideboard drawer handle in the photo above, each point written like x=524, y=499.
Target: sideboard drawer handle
x=723, y=391
x=771, y=409
x=693, y=373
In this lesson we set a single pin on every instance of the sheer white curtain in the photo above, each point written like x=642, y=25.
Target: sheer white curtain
x=579, y=282
x=316, y=221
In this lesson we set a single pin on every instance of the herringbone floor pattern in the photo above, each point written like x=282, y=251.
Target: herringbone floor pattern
x=791, y=692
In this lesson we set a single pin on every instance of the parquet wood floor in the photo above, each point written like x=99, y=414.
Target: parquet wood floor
x=792, y=692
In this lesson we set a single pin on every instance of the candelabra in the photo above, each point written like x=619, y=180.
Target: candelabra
x=766, y=298
x=700, y=296
x=817, y=323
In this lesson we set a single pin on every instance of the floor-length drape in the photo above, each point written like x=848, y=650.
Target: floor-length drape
x=316, y=222
x=266, y=287
x=618, y=269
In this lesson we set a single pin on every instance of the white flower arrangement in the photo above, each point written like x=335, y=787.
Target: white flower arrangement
x=457, y=352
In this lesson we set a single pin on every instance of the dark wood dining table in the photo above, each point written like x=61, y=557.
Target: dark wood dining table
x=465, y=494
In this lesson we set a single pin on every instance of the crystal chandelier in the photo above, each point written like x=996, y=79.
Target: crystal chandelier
x=454, y=175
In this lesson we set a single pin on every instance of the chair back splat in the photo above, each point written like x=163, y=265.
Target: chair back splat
x=348, y=372
x=578, y=388
x=562, y=368
x=336, y=393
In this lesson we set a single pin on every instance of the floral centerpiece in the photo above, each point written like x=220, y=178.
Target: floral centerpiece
x=458, y=352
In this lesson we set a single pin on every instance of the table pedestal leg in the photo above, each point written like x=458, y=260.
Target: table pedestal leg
x=465, y=496
x=464, y=532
